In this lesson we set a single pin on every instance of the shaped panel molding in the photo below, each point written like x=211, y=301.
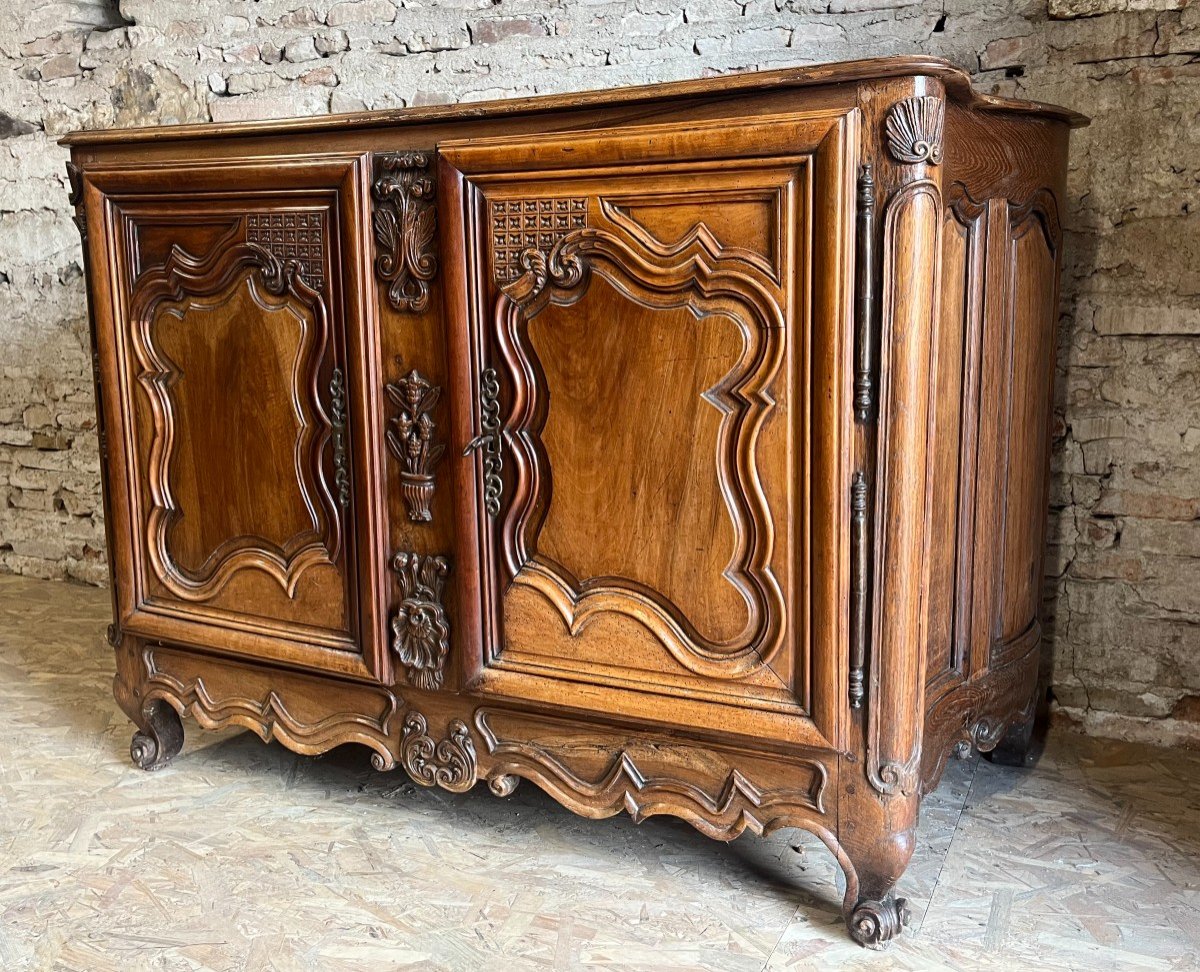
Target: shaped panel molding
x=596, y=785
x=226, y=693
x=185, y=286
x=691, y=274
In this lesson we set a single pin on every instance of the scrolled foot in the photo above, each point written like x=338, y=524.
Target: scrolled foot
x=875, y=923
x=160, y=740
x=504, y=784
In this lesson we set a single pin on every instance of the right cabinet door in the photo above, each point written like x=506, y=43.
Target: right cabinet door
x=649, y=338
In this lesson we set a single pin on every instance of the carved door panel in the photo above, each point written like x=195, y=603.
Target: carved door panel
x=233, y=348
x=647, y=343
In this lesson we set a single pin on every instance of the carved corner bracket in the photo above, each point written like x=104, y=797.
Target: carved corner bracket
x=528, y=251
x=914, y=130
x=410, y=439
x=449, y=763
x=295, y=240
x=404, y=222
x=420, y=628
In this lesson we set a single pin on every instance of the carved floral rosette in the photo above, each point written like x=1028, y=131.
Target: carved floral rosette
x=420, y=629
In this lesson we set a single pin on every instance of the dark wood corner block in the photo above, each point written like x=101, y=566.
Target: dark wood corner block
x=681, y=450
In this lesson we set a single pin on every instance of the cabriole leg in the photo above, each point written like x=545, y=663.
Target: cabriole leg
x=873, y=913
x=1022, y=742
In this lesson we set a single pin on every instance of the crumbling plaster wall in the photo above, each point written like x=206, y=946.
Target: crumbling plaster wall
x=1123, y=590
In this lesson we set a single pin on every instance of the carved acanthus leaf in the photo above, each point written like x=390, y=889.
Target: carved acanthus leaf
x=448, y=763
x=404, y=223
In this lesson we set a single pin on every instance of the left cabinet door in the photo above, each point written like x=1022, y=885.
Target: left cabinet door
x=231, y=328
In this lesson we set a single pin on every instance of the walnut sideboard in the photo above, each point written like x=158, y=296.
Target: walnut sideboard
x=682, y=449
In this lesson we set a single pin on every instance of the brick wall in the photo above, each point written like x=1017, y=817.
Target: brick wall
x=1124, y=571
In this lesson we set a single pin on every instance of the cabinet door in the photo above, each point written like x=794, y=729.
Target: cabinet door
x=231, y=342
x=648, y=343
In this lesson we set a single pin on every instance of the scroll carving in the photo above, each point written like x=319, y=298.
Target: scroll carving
x=449, y=763
x=420, y=629
x=977, y=713
x=526, y=231
x=872, y=923
x=914, y=130
x=410, y=439
x=404, y=222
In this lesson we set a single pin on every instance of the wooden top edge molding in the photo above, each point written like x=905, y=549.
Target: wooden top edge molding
x=955, y=79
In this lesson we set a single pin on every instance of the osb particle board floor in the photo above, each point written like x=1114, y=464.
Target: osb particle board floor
x=243, y=856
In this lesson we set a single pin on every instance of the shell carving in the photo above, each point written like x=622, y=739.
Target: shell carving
x=914, y=130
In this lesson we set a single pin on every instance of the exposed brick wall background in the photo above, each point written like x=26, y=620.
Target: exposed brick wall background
x=1124, y=571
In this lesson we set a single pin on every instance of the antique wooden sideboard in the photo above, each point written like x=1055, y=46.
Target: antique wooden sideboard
x=681, y=449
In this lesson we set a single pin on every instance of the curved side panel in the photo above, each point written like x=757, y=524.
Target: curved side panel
x=912, y=229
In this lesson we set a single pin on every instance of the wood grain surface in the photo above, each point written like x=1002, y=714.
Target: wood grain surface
x=520, y=441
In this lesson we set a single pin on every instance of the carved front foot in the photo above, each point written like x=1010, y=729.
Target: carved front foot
x=875, y=923
x=503, y=785
x=160, y=740
x=1017, y=747
x=1023, y=740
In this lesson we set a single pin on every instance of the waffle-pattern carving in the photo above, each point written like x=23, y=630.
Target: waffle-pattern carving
x=530, y=224
x=292, y=236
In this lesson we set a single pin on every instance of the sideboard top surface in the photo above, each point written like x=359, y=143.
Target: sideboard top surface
x=956, y=81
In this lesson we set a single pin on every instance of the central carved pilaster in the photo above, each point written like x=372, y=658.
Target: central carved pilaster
x=404, y=222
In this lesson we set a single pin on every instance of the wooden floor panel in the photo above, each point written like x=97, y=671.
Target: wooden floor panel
x=241, y=856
